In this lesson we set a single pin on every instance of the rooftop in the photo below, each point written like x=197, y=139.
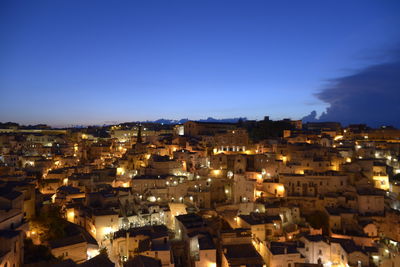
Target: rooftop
x=191, y=220
x=242, y=254
x=259, y=218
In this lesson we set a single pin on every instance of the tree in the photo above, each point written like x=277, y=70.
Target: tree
x=36, y=253
x=49, y=224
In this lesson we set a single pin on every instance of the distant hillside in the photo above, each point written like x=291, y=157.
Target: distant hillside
x=209, y=119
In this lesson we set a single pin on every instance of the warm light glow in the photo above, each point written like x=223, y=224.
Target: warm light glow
x=120, y=171
x=338, y=137
x=31, y=163
x=53, y=198
x=249, y=152
x=91, y=253
x=381, y=182
x=216, y=172
x=348, y=160
x=107, y=230
x=71, y=216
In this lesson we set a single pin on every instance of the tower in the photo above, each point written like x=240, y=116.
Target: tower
x=139, y=135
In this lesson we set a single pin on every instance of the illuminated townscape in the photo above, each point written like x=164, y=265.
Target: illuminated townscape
x=199, y=133
x=251, y=193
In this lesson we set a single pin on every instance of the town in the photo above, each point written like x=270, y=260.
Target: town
x=266, y=193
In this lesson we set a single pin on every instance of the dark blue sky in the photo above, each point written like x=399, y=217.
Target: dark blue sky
x=90, y=62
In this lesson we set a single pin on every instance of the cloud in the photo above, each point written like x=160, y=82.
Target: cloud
x=370, y=95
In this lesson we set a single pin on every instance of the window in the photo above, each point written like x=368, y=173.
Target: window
x=320, y=252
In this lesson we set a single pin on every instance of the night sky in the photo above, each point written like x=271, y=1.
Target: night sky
x=94, y=62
